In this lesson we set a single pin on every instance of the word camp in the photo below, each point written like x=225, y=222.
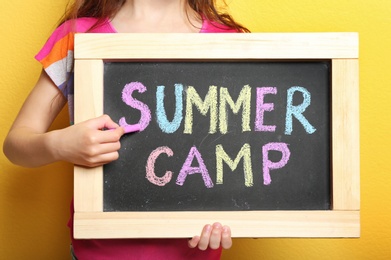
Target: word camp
x=216, y=103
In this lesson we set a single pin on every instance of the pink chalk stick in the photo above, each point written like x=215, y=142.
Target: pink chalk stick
x=131, y=128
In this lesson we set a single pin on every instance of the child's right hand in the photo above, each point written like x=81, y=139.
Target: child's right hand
x=86, y=144
x=30, y=144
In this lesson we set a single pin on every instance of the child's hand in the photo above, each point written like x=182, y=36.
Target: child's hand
x=87, y=145
x=212, y=236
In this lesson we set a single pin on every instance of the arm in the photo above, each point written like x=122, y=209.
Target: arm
x=29, y=143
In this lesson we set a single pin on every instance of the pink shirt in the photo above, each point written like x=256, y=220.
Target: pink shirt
x=57, y=60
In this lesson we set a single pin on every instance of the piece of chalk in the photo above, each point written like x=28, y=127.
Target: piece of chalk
x=131, y=128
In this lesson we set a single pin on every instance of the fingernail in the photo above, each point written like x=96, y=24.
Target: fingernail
x=208, y=228
x=217, y=225
x=225, y=229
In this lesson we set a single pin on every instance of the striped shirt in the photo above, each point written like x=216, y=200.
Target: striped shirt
x=57, y=60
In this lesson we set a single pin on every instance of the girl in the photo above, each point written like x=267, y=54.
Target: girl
x=30, y=144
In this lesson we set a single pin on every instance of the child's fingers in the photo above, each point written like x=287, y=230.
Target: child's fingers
x=226, y=240
x=204, y=238
x=106, y=148
x=194, y=242
x=101, y=159
x=110, y=136
x=215, y=236
x=102, y=122
x=212, y=236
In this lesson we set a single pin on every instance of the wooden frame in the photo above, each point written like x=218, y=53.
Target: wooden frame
x=343, y=220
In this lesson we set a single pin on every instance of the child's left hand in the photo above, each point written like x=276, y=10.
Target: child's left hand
x=212, y=236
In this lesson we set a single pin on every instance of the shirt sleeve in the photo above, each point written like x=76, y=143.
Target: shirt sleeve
x=56, y=57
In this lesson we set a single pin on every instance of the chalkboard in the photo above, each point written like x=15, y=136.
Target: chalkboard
x=256, y=131
x=282, y=116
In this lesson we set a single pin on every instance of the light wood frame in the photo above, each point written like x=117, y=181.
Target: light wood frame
x=343, y=220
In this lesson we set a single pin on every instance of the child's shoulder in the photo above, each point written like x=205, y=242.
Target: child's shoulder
x=61, y=41
x=86, y=24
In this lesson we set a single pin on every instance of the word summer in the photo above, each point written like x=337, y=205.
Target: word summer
x=217, y=103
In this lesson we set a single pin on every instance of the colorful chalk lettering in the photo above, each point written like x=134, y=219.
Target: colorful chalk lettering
x=262, y=107
x=209, y=104
x=243, y=101
x=150, y=167
x=161, y=116
x=245, y=153
x=216, y=103
x=187, y=169
x=297, y=111
x=134, y=103
x=269, y=165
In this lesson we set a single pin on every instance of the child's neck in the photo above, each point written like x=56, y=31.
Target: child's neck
x=156, y=16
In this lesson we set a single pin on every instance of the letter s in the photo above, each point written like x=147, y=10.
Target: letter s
x=134, y=103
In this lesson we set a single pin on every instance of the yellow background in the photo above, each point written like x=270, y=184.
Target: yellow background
x=34, y=202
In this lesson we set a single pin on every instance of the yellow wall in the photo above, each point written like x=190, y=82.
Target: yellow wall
x=34, y=202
